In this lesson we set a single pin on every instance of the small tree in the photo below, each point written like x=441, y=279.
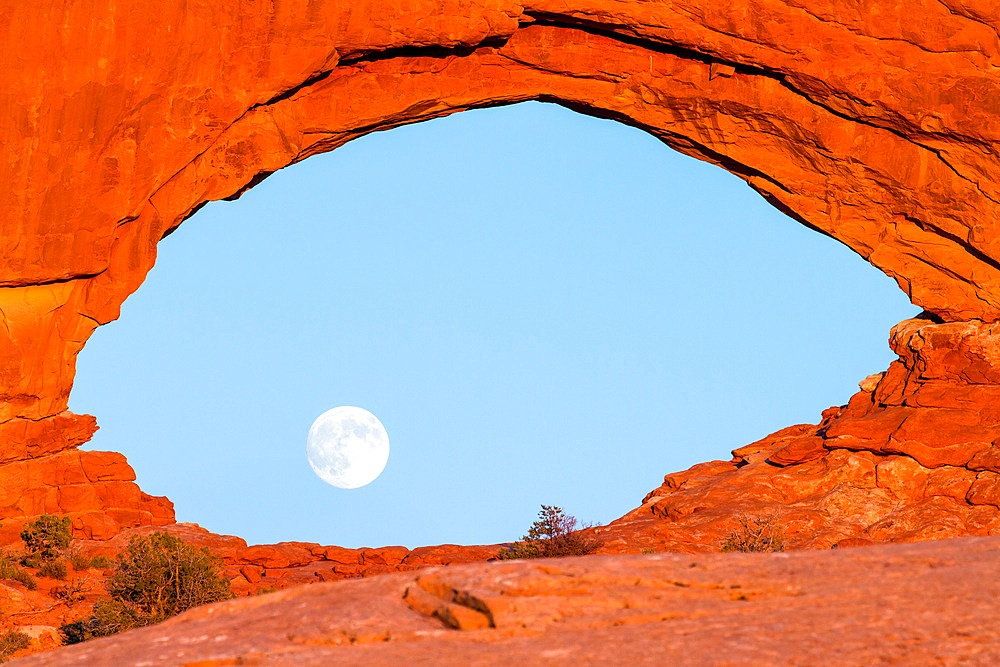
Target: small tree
x=45, y=538
x=756, y=533
x=550, y=536
x=155, y=578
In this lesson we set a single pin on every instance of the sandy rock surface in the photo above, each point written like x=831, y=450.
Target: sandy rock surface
x=927, y=603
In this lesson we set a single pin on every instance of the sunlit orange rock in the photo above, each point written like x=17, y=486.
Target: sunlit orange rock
x=25, y=439
x=875, y=126
x=75, y=482
x=911, y=456
x=110, y=144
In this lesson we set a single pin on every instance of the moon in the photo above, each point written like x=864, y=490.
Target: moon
x=347, y=447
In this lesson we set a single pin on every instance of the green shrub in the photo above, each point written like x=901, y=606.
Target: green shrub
x=45, y=538
x=53, y=569
x=76, y=632
x=519, y=551
x=550, y=536
x=12, y=641
x=9, y=569
x=155, y=578
x=756, y=533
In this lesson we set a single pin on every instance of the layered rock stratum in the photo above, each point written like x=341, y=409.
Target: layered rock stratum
x=874, y=123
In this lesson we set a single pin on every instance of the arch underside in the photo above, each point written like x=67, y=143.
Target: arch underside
x=897, y=162
x=896, y=202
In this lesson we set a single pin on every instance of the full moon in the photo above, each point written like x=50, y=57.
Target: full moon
x=347, y=447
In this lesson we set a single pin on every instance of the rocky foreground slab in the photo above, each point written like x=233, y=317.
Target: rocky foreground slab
x=920, y=603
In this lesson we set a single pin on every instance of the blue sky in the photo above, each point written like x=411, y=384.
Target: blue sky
x=540, y=307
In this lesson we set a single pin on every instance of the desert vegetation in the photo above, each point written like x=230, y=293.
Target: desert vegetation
x=54, y=569
x=154, y=578
x=81, y=562
x=551, y=535
x=45, y=539
x=12, y=641
x=755, y=533
x=11, y=570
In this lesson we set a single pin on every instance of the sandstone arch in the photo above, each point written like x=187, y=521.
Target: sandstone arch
x=876, y=125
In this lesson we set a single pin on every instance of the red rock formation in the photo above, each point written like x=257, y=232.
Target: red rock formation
x=275, y=566
x=874, y=123
x=42, y=472
x=875, y=126
x=912, y=456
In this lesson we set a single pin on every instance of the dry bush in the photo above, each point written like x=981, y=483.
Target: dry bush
x=9, y=569
x=11, y=642
x=53, y=569
x=81, y=562
x=756, y=533
x=70, y=593
x=552, y=535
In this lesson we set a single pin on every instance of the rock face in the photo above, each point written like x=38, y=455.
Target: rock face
x=42, y=472
x=912, y=456
x=759, y=609
x=875, y=124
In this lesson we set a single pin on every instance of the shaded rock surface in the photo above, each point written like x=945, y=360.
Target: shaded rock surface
x=927, y=603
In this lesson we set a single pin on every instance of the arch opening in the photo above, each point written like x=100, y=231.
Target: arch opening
x=597, y=252
x=854, y=161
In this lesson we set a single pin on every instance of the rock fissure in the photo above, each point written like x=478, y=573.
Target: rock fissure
x=647, y=43
x=291, y=92
x=860, y=32
x=965, y=245
x=789, y=84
